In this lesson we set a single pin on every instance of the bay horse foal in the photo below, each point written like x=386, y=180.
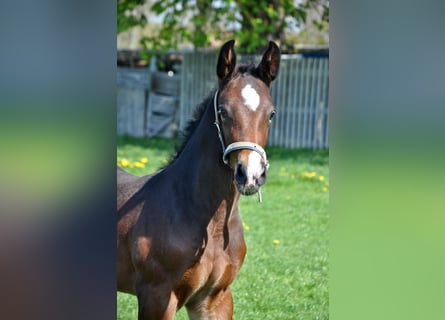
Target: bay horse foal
x=179, y=234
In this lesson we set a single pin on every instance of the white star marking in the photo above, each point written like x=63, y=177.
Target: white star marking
x=251, y=97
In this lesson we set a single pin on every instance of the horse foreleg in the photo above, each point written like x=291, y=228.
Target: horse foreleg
x=156, y=303
x=216, y=307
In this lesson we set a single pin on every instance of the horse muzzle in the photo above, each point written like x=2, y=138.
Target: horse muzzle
x=249, y=181
x=250, y=168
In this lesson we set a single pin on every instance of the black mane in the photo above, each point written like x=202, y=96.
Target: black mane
x=192, y=124
x=248, y=67
x=244, y=68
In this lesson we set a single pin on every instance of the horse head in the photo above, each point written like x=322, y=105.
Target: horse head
x=244, y=111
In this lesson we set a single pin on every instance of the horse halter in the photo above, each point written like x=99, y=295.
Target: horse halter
x=240, y=145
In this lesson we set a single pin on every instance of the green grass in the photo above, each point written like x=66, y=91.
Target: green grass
x=285, y=273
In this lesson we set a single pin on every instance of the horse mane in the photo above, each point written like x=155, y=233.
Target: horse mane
x=192, y=124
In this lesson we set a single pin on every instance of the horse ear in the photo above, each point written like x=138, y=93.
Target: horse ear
x=226, y=60
x=270, y=64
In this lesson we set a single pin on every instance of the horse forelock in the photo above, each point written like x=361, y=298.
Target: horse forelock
x=246, y=68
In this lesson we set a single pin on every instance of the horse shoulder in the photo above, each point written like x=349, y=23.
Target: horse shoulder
x=230, y=256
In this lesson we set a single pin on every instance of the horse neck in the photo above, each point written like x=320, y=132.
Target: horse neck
x=209, y=181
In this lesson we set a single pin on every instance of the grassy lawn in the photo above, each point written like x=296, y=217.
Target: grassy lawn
x=285, y=273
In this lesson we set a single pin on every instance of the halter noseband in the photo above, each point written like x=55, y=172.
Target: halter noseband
x=241, y=145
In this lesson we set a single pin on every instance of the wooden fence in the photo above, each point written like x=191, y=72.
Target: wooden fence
x=147, y=103
x=300, y=94
x=132, y=93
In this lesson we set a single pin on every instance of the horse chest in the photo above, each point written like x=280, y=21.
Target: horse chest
x=214, y=271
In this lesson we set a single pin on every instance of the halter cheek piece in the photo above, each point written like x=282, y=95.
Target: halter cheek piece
x=240, y=145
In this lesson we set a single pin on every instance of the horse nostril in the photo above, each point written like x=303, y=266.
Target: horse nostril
x=240, y=175
x=262, y=179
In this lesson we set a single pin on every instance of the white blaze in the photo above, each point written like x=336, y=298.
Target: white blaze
x=254, y=167
x=251, y=97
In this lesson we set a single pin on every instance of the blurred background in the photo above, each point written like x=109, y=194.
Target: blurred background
x=166, y=63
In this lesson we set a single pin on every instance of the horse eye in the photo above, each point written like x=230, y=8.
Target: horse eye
x=223, y=113
x=272, y=114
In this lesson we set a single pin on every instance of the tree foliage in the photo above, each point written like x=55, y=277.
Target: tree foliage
x=199, y=22
x=128, y=15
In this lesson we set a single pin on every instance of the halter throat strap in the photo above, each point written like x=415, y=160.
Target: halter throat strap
x=216, y=123
x=240, y=145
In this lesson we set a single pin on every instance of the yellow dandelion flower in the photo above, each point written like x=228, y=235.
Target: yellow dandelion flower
x=246, y=227
x=276, y=241
x=143, y=160
x=138, y=164
x=309, y=175
x=324, y=189
x=124, y=163
x=321, y=178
